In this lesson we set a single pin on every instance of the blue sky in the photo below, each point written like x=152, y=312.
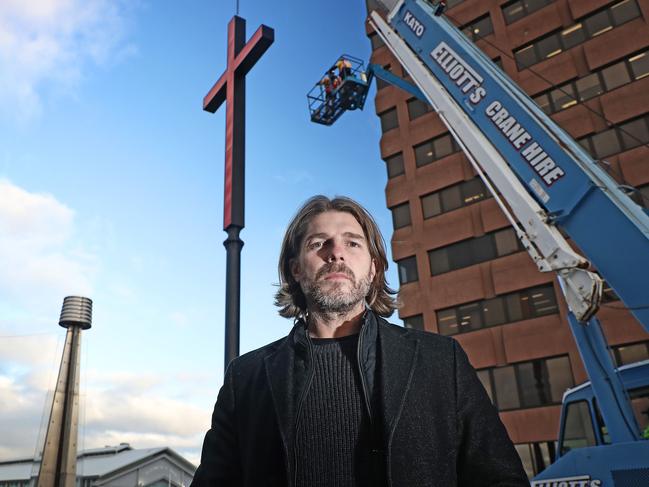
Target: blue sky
x=111, y=180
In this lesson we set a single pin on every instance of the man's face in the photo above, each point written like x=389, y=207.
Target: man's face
x=334, y=267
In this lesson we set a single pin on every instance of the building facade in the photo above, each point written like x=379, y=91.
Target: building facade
x=462, y=271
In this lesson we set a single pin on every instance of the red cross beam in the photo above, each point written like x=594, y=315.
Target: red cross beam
x=231, y=87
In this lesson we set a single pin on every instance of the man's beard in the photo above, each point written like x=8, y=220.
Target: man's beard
x=334, y=297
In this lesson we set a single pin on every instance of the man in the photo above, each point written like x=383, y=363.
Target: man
x=347, y=399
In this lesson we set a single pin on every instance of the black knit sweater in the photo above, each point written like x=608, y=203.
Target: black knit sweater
x=333, y=433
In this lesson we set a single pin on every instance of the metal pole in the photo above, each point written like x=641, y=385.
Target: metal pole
x=233, y=245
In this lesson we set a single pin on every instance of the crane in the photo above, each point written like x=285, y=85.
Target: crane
x=547, y=185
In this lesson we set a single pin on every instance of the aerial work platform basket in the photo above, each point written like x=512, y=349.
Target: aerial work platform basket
x=343, y=87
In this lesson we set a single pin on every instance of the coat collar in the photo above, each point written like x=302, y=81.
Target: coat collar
x=383, y=345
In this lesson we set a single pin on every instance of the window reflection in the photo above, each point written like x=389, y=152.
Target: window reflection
x=591, y=26
x=508, y=308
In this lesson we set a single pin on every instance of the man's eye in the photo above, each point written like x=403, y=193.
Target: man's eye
x=354, y=244
x=315, y=245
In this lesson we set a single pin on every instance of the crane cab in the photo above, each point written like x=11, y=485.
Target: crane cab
x=584, y=441
x=343, y=87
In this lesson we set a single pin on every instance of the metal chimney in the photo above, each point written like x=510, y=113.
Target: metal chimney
x=59, y=459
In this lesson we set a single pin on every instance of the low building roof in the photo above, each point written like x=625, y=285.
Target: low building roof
x=95, y=462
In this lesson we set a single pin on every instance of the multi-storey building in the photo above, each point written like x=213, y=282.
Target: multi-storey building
x=461, y=268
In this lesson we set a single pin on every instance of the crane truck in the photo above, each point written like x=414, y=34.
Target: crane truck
x=550, y=189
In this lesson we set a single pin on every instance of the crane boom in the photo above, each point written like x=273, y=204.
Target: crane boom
x=547, y=179
x=548, y=186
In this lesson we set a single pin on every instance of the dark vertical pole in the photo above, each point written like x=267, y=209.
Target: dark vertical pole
x=234, y=201
x=233, y=245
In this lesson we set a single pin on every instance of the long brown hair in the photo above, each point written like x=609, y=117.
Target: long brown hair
x=289, y=298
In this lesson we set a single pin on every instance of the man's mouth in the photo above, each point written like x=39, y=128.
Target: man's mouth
x=336, y=275
x=333, y=272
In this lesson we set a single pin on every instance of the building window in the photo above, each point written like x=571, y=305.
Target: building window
x=624, y=137
x=453, y=3
x=407, y=270
x=505, y=388
x=513, y=11
x=389, y=120
x=598, y=23
x=473, y=251
x=416, y=322
x=485, y=379
x=395, y=166
x=624, y=11
x=376, y=41
x=478, y=28
x=536, y=457
x=615, y=76
x=591, y=26
x=401, y=215
x=505, y=308
x=589, y=87
x=630, y=353
x=594, y=84
x=434, y=149
x=453, y=197
x=640, y=405
x=639, y=65
x=380, y=84
x=528, y=384
x=605, y=143
x=373, y=5
x=608, y=295
x=634, y=132
x=417, y=108
x=564, y=98
x=641, y=196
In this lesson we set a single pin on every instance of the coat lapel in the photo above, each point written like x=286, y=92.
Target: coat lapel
x=286, y=373
x=398, y=357
x=279, y=373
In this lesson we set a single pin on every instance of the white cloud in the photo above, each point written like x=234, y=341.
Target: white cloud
x=30, y=351
x=26, y=376
x=51, y=43
x=29, y=217
x=43, y=259
x=150, y=415
x=115, y=407
x=39, y=261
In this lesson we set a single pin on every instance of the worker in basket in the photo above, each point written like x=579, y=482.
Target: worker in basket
x=344, y=68
x=330, y=83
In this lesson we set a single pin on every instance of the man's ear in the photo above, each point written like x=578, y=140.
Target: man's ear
x=373, y=270
x=295, y=270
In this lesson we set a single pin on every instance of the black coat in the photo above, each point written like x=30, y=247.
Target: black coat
x=438, y=425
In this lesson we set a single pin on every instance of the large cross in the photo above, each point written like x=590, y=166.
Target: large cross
x=231, y=88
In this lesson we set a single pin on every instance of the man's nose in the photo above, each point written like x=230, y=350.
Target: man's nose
x=336, y=251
